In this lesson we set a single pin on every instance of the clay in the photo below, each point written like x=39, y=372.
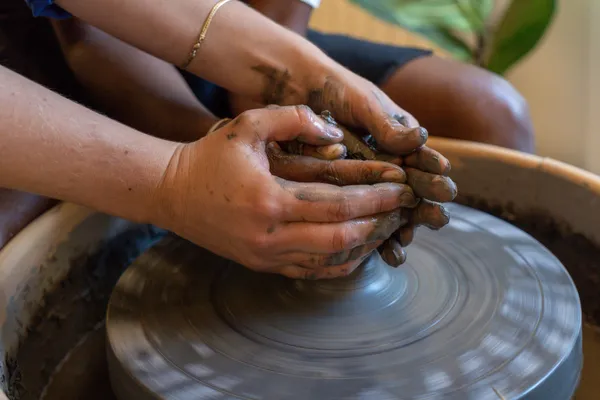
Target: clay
x=75, y=308
x=498, y=316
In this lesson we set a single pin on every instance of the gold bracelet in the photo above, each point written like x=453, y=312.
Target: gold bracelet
x=202, y=35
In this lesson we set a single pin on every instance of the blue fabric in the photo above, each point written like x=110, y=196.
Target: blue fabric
x=46, y=8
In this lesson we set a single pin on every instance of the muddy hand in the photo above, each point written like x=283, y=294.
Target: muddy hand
x=429, y=214
x=329, y=152
x=219, y=193
x=431, y=186
x=358, y=103
x=336, y=172
x=428, y=160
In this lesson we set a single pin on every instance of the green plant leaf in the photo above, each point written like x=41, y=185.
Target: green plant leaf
x=436, y=20
x=476, y=12
x=523, y=25
x=453, y=15
x=483, y=8
x=448, y=41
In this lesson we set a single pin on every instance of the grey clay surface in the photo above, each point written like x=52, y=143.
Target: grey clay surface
x=480, y=311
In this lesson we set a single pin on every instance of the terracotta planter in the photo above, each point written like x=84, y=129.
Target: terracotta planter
x=57, y=273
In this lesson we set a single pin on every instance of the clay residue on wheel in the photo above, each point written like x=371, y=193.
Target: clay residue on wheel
x=576, y=252
x=71, y=310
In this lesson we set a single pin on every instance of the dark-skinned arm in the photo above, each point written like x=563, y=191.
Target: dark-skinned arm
x=132, y=86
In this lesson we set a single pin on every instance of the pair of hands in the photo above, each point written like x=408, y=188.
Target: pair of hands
x=238, y=194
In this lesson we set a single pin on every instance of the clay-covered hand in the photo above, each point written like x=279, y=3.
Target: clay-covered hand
x=358, y=104
x=426, y=171
x=219, y=192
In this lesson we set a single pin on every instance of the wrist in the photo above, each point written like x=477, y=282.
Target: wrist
x=324, y=76
x=142, y=177
x=167, y=200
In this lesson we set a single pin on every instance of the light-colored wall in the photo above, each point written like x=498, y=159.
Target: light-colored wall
x=559, y=79
x=557, y=82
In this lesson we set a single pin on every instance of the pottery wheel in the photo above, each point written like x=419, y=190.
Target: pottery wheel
x=480, y=311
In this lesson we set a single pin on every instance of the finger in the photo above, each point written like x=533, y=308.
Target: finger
x=319, y=261
x=430, y=214
x=341, y=270
x=395, y=138
x=428, y=160
x=329, y=152
x=405, y=235
x=294, y=272
x=395, y=130
x=338, y=172
x=330, y=239
x=430, y=186
x=320, y=202
x=282, y=124
x=358, y=149
x=392, y=253
x=298, y=272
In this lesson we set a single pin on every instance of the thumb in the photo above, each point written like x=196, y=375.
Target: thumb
x=280, y=124
x=394, y=130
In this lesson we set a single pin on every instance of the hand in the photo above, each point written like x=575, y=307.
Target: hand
x=426, y=171
x=219, y=192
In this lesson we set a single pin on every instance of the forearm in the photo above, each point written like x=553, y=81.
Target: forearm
x=131, y=86
x=57, y=148
x=244, y=52
x=293, y=14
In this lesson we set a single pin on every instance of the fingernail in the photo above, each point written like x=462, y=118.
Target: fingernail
x=334, y=132
x=394, y=175
x=334, y=151
x=393, y=254
x=445, y=213
x=447, y=170
x=423, y=134
x=330, y=125
x=453, y=188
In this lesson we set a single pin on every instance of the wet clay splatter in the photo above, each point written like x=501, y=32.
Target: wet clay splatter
x=73, y=309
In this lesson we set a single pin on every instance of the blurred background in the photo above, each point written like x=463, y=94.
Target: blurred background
x=548, y=49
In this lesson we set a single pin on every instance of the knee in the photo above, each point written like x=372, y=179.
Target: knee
x=503, y=114
x=462, y=101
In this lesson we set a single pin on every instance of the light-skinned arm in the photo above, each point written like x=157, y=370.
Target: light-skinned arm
x=217, y=192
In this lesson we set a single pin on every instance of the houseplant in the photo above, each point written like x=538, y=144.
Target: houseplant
x=494, y=34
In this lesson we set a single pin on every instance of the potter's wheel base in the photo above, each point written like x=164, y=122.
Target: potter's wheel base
x=480, y=310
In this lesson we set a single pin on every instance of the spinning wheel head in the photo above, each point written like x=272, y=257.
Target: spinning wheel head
x=480, y=311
